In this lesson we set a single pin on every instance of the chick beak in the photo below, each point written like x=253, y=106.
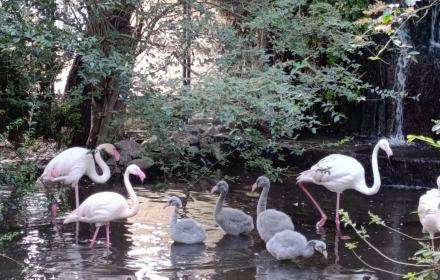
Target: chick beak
x=325, y=254
x=214, y=189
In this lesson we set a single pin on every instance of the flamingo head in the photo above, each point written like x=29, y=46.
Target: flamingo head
x=221, y=187
x=262, y=182
x=135, y=170
x=320, y=247
x=385, y=146
x=111, y=150
x=174, y=201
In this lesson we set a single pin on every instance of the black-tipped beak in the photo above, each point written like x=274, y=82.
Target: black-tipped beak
x=214, y=189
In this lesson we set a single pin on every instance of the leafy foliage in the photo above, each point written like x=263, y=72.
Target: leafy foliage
x=7, y=237
x=267, y=72
x=22, y=176
x=29, y=62
x=426, y=259
x=411, y=138
x=284, y=69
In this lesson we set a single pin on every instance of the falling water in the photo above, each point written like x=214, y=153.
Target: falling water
x=405, y=44
x=434, y=41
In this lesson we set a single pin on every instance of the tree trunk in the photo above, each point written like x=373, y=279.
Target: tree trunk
x=113, y=30
x=186, y=61
x=73, y=81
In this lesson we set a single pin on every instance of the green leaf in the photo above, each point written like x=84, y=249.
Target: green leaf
x=387, y=19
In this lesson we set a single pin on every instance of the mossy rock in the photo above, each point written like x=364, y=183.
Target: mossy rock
x=143, y=163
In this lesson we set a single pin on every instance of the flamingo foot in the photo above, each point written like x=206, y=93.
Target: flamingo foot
x=321, y=222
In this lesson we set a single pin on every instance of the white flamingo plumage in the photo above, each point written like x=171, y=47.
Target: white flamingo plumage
x=429, y=212
x=338, y=173
x=70, y=165
x=103, y=207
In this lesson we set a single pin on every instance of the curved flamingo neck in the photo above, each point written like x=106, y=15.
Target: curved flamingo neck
x=262, y=202
x=93, y=175
x=219, y=204
x=363, y=188
x=135, y=202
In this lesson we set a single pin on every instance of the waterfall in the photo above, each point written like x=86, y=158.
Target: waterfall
x=405, y=44
x=434, y=41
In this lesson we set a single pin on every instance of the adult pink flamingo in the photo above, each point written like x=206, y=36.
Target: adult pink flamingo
x=70, y=165
x=429, y=213
x=103, y=207
x=339, y=172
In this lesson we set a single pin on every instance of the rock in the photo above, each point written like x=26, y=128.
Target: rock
x=200, y=120
x=153, y=139
x=129, y=149
x=143, y=163
x=184, y=138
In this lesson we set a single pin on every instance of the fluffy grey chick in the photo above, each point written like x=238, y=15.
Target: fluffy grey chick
x=289, y=245
x=187, y=230
x=231, y=221
x=269, y=221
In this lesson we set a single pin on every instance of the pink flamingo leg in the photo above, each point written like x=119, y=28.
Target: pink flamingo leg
x=77, y=205
x=321, y=222
x=76, y=195
x=94, y=237
x=107, y=229
x=337, y=221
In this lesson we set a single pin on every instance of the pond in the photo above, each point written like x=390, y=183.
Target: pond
x=141, y=247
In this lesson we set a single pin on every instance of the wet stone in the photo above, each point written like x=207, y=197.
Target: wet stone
x=143, y=163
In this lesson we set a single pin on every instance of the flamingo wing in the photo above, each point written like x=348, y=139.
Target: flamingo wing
x=334, y=171
x=286, y=245
x=102, y=207
x=72, y=161
x=429, y=203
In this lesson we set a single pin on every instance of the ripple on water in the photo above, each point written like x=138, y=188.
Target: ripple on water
x=141, y=247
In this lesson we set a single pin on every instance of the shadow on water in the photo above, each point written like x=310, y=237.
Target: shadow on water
x=141, y=248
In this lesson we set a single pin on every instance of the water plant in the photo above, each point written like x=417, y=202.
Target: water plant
x=425, y=260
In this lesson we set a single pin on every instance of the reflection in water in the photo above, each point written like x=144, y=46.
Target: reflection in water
x=183, y=257
x=141, y=246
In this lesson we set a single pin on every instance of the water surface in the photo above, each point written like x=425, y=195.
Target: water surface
x=141, y=247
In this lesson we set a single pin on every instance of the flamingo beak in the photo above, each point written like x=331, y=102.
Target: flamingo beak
x=325, y=254
x=254, y=187
x=389, y=153
x=142, y=176
x=214, y=189
x=166, y=206
x=116, y=155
